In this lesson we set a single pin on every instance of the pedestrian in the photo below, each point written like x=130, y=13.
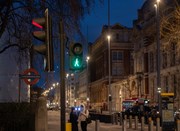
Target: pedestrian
x=82, y=118
x=74, y=119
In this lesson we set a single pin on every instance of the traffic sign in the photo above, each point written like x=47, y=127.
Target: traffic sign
x=30, y=76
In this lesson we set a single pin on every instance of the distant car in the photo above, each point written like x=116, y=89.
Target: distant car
x=53, y=107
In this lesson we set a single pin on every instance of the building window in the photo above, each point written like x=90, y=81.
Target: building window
x=99, y=69
x=117, y=69
x=173, y=54
x=117, y=37
x=117, y=56
x=173, y=84
x=151, y=61
x=126, y=37
x=166, y=84
x=164, y=59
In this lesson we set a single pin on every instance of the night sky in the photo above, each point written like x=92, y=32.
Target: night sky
x=121, y=11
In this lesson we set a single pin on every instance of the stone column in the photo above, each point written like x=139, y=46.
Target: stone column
x=41, y=115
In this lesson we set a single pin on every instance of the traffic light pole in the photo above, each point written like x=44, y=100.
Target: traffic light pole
x=62, y=78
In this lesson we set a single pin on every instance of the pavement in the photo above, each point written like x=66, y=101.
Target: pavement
x=54, y=124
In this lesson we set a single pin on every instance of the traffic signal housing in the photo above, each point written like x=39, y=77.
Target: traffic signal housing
x=44, y=35
x=76, y=56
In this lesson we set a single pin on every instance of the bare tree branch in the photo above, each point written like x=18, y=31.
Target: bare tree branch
x=13, y=45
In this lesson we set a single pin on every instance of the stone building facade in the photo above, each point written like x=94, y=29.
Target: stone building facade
x=143, y=82
x=120, y=59
x=145, y=53
x=82, y=87
x=134, y=60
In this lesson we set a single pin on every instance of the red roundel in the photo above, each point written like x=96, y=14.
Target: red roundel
x=31, y=81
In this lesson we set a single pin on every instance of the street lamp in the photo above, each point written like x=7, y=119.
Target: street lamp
x=158, y=53
x=71, y=88
x=87, y=89
x=55, y=86
x=109, y=78
x=67, y=88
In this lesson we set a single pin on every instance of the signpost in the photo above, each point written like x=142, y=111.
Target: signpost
x=30, y=77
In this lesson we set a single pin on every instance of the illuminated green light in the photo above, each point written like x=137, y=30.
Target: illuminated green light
x=77, y=62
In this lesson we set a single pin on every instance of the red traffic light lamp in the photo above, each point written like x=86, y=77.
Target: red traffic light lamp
x=45, y=35
x=36, y=24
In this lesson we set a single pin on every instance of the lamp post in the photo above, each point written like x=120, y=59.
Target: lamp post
x=57, y=92
x=109, y=40
x=109, y=78
x=67, y=88
x=158, y=53
x=71, y=89
x=87, y=87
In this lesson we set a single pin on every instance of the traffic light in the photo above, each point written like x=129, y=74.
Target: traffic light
x=45, y=35
x=76, y=56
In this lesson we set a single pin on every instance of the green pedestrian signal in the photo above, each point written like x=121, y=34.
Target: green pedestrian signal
x=76, y=56
x=77, y=64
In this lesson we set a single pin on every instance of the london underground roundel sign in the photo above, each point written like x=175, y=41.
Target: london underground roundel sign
x=30, y=76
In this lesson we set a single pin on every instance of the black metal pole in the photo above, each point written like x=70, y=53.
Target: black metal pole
x=158, y=56
x=62, y=77
x=19, y=90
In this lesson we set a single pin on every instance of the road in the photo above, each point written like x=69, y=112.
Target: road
x=54, y=124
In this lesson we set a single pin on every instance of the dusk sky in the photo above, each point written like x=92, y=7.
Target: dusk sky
x=121, y=11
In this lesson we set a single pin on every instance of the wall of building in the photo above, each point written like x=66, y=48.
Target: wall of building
x=121, y=64
x=9, y=77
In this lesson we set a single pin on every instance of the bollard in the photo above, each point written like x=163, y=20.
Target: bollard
x=178, y=125
x=41, y=115
x=142, y=123
x=157, y=124
x=125, y=117
x=150, y=125
x=130, y=121
x=68, y=126
x=124, y=125
x=112, y=118
x=97, y=125
x=116, y=116
x=136, y=123
x=120, y=119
